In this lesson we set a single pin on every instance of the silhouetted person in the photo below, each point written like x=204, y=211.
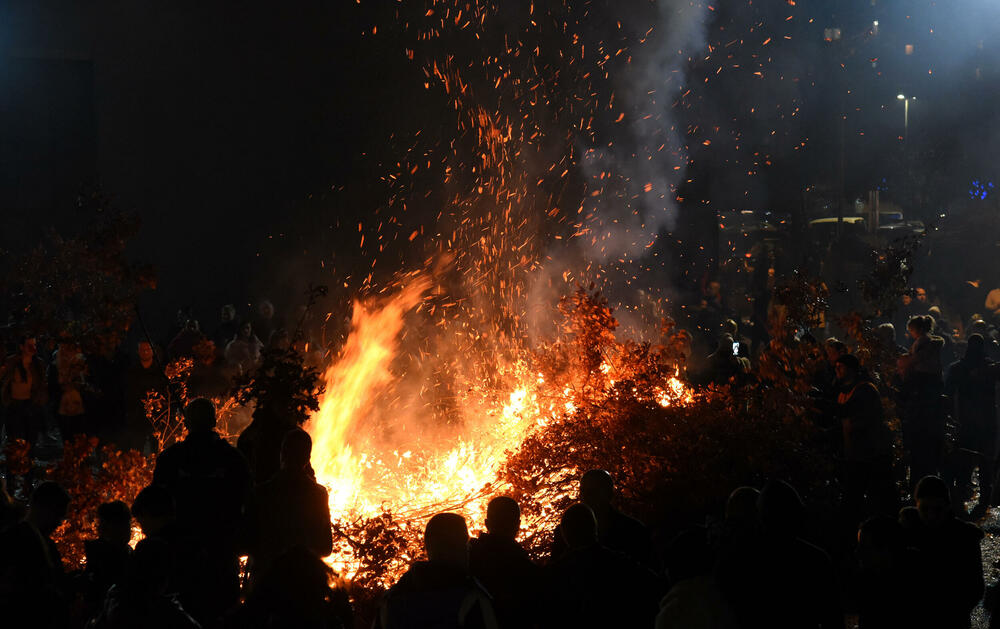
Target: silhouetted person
x=741, y=512
x=155, y=512
x=439, y=592
x=694, y=600
x=782, y=580
x=33, y=589
x=207, y=379
x=592, y=585
x=889, y=587
x=23, y=392
x=723, y=365
x=951, y=557
x=182, y=345
x=291, y=509
x=616, y=530
x=141, y=378
x=46, y=512
x=824, y=377
x=886, y=335
x=920, y=399
x=143, y=599
x=265, y=322
x=970, y=388
x=295, y=593
x=69, y=391
x=503, y=567
x=243, y=350
x=107, y=556
x=869, y=485
x=260, y=442
x=226, y=330
x=210, y=482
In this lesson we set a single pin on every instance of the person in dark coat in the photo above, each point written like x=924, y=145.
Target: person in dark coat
x=107, y=556
x=289, y=510
x=970, y=392
x=156, y=514
x=723, y=365
x=227, y=329
x=780, y=580
x=439, y=592
x=694, y=600
x=889, y=586
x=182, y=345
x=143, y=599
x=951, y=557
x=210, y=483
x=295, y=593
x=23, y=392
x=592, y=585
x=616, y=530
x=869, y=485
x=142, y=378
x=920, y=372
x=33, y=586
x=503, y=567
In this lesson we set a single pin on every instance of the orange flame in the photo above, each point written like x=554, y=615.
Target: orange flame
x=418, y=470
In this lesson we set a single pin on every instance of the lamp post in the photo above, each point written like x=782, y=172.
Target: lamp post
x=906, y=113
x=906, y=136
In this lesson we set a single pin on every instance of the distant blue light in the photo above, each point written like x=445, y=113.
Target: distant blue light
x=980, y=190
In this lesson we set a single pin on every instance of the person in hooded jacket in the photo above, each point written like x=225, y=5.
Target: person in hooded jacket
x=920, y=399
x=970, y=393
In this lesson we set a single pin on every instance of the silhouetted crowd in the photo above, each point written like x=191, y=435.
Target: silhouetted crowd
x=235, y=536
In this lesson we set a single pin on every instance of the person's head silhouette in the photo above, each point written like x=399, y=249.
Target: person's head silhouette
x=597, y=490
x=114, y=522
x=933, y=501
x=47, y=508
x=446, y=539
x=296, y=448
x=579, y=526
x=199, y=416
x=503, y=517
x=780, y=509
x=741, y=508
x=153, y=509
x=975, y=349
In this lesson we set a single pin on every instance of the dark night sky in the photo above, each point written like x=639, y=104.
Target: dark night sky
x=214, y=122
x=225, y=126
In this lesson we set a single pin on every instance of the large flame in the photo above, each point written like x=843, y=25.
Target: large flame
x=418, y=471
x=351, y=385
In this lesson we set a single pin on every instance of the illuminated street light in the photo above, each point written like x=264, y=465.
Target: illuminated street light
x=906, y=113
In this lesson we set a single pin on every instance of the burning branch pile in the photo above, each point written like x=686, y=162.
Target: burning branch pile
x=584, y=400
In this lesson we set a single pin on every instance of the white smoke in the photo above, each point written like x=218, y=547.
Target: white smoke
x=638, y=168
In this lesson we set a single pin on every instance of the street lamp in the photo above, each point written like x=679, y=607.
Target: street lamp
x=906, y=113
x=906, y=133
